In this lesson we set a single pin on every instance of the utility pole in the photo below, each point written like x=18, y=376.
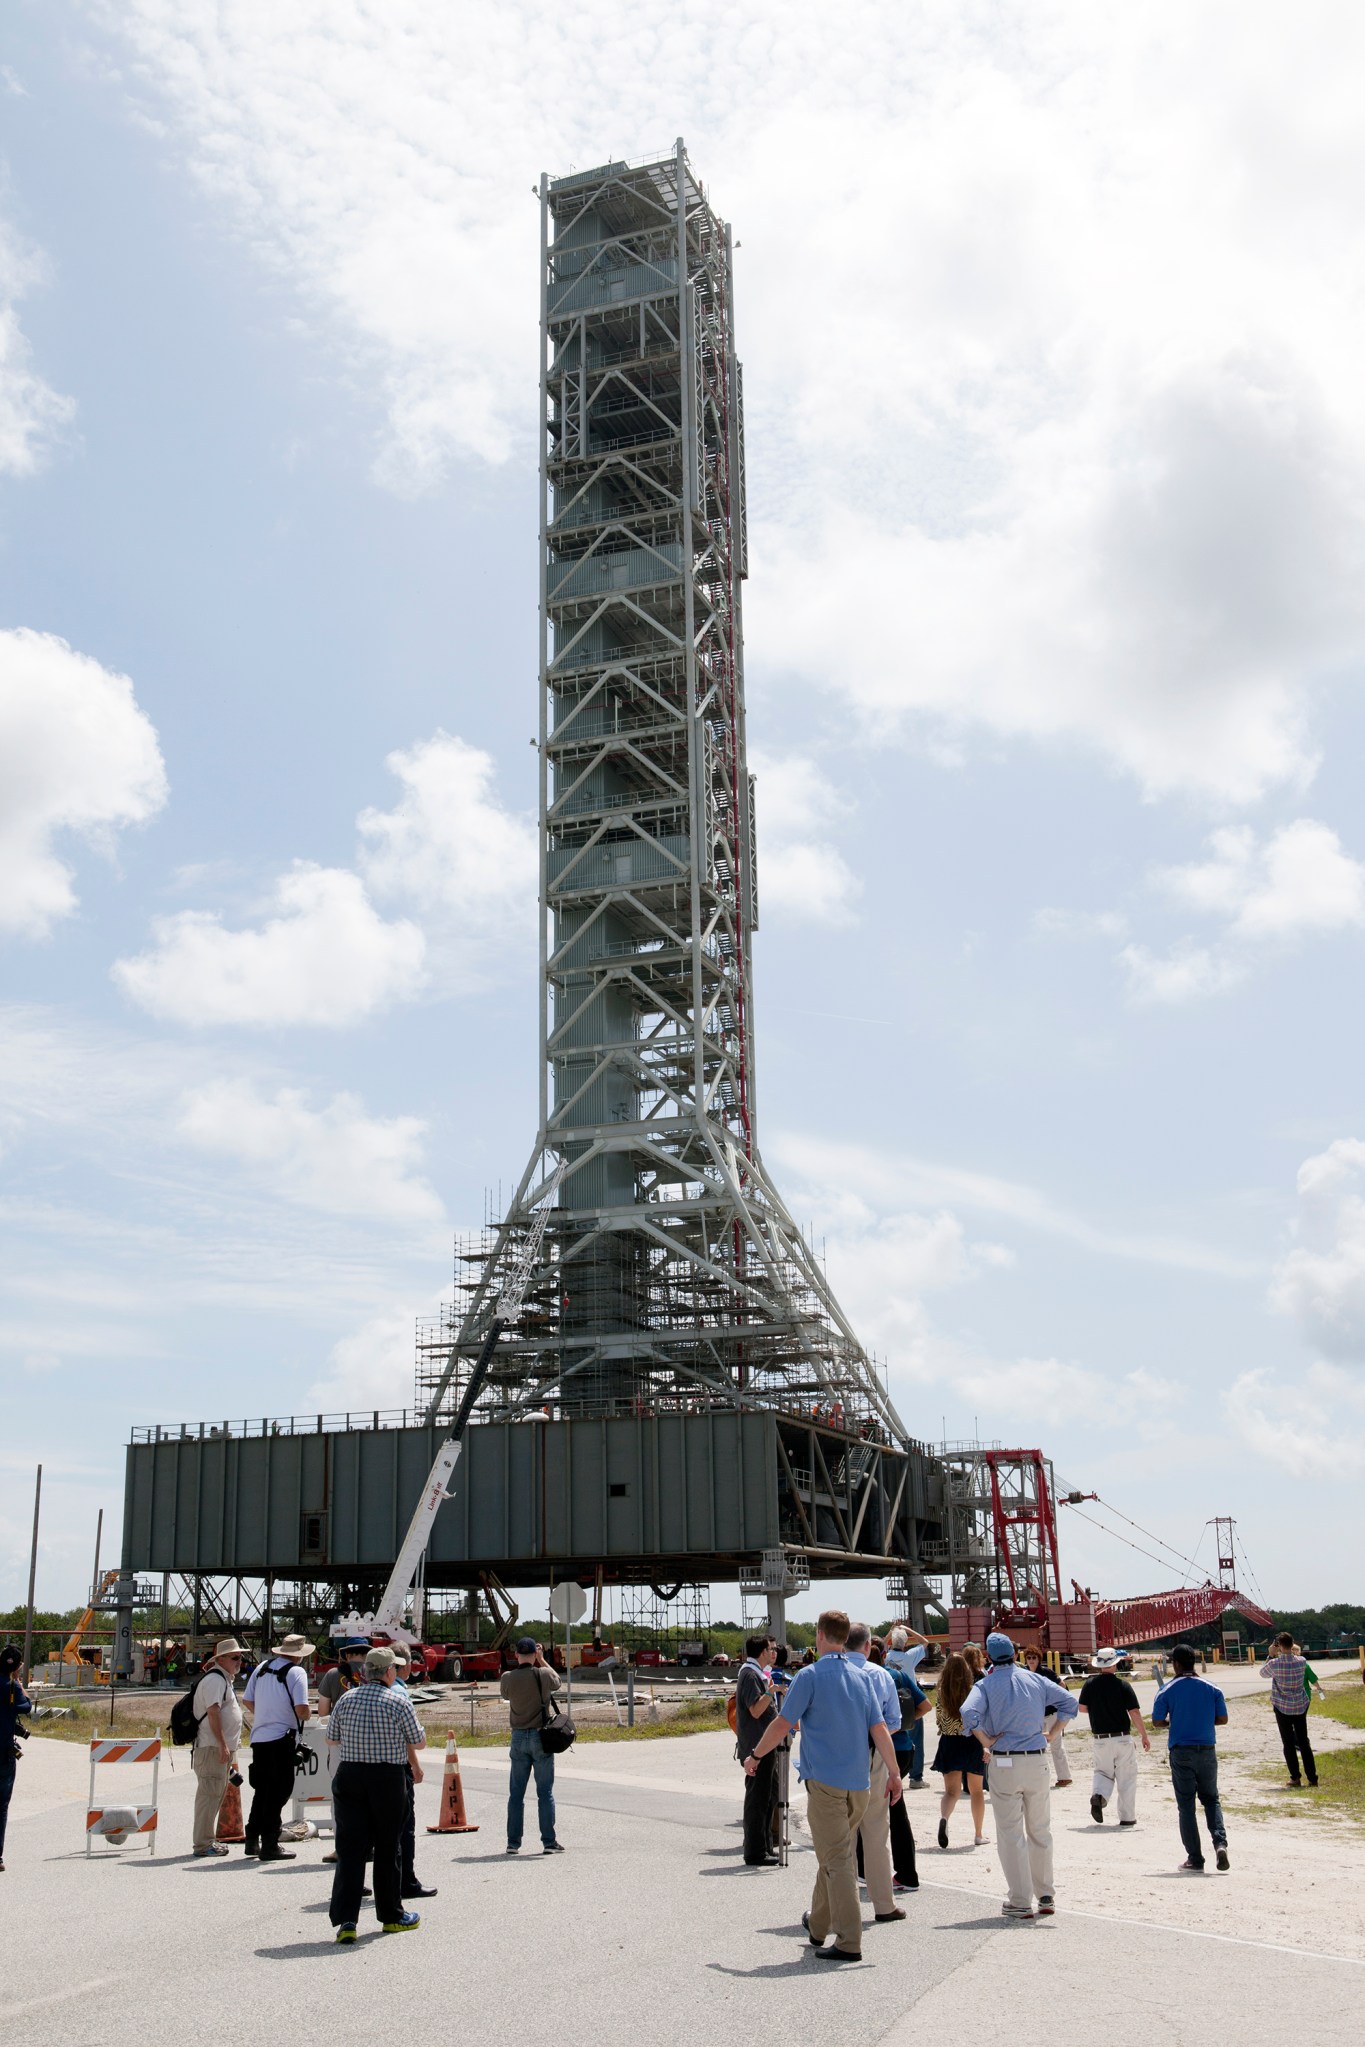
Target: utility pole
x=32, y=1576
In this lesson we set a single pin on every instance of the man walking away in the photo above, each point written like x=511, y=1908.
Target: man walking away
x=1190, y=1708
x=755, y=1705
x=1111, y=1705
x=874, y=1829
x=219, y=1717
x=411, y=1884
x=378, y=1738
x=1007, y=1710
x=1288, y=1674
x=528, y=1690
x=277, y=1698
x=837, y=1711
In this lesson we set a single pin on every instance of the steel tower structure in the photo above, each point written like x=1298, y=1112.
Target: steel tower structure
x=672, y=1276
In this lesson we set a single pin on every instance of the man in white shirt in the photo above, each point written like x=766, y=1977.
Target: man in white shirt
x=277, y=1694
x=219, y=1718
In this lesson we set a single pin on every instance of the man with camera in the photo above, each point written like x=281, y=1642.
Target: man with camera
x=214, y=1755
x=528, y=1690
x=13, y=1701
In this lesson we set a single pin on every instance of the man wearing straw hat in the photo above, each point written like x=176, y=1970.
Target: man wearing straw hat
x=219, y=1727
x=277, y=1697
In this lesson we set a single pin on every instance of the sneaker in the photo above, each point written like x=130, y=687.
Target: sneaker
x=1221, y=1859
x=898, y=1886
x=553, y=1848
x=346, y=1934
x=980, y=1841
x=1046, y=1908
x=404, y=1925
x=1196, y=1868
x=1018, y=1911
x=943, y=1833
x=1097, y=1809
x=514, y=1847
x=216, y=1849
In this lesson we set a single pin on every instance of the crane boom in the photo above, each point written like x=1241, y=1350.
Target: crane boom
x=390, y=1616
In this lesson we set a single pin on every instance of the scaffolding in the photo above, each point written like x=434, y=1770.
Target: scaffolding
x=671, y=1277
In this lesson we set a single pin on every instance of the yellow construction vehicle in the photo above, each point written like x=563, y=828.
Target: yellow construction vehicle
x=71, y=1652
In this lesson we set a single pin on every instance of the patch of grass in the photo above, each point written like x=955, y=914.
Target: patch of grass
x=1344, y=1703
x=1340, y=1789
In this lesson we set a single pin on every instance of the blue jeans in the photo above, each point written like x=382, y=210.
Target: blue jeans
x=1194, y=1774
x=529, y=1753
x=915, y=1772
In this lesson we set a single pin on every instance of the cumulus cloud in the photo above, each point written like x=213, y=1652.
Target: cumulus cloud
x=1299, y=882
x=337, y=1158
x=802, y=876
x=322, y=955
x=78, y=757
x=1314, y=1428
x=32, y=415
x=1321, y=1279
x=372, y=1367
x=1071, y=454
x=321, y=952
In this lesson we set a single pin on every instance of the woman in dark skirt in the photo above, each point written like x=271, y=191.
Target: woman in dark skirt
x=959, y=1754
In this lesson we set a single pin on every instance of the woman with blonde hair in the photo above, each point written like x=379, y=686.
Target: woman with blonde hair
x=959, y=1754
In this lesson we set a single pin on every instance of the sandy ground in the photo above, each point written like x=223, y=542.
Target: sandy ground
x=650, y=1920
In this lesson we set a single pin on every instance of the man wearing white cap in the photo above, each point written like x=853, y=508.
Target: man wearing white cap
x=277, y=1697
x=1014, y=1714
x=1111, y=1706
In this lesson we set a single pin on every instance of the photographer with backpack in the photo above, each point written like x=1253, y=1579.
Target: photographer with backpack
x=218, y=1729
x=277, y=1694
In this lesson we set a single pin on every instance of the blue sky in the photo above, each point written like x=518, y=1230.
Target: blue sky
x=1054, y=636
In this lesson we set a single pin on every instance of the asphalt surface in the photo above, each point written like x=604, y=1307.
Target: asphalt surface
x=649, y=1922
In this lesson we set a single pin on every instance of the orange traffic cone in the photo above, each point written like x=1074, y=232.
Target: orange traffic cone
x=453, y=1819
x=230, y=1826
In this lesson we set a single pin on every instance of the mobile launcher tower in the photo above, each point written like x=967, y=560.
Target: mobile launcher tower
x=703, y=1409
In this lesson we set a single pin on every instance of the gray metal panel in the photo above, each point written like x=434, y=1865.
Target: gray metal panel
x=531, y=1498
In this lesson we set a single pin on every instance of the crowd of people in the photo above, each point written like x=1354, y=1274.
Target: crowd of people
x=855, y=1703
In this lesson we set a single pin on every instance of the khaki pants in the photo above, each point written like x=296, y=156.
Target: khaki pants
x=1021, y=1797
x=833, y=1817
x=211, y=1775
x=875, y=1831
x=1115, y=1757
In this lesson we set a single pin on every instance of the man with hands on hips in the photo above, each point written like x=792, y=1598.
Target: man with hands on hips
x=840, y=1718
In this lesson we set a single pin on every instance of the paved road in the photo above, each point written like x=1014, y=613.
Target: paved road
x=649, y=1922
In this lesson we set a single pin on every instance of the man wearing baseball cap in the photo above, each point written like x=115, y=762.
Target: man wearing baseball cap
x=1111, y=1706
x=528, y=1690
x=1014, y=1713
x=378, y=1738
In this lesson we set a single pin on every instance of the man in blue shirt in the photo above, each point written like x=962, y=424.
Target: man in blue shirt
x=874, y=1831
x=838, y=1714
x=1014, y=1714
x=1190, y=1708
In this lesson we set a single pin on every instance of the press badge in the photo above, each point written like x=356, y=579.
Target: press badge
x=1002, y=1762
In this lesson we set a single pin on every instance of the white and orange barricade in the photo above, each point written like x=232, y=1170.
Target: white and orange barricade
x=114, y=1823
x=313, y=1774
x=454, y=1819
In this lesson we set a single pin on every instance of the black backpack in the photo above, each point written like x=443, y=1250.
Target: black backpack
x=184, y=1721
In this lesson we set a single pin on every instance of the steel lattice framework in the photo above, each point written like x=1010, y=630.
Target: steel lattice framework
x=671, y=1273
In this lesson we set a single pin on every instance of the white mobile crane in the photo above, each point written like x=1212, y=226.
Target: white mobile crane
x=398, y=1614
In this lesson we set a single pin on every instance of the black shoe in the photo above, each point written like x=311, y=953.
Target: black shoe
x=553, y=1848
x=251, y=1845
x=1097, y=1809
x=837, y=1954
x=943, y=1833
x=1127, y=1823
x=418, y=1891
x=805, y=1921
x=882, y=1917
x=1221, y=1859
x=1312, y=1783
x=277, y=1855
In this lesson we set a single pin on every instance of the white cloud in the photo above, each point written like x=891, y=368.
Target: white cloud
x=448, y=853
x=373, y=1367
x=325, y=956
x=1313, y=1429
x=1321, y=1280
x=1299, y=882
x=337, y=1159
x=32, y=415
x=77, y=756
x=802, y=876
x=1071, y=454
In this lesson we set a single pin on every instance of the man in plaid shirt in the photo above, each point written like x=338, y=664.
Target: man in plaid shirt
x=1288, y=1674
x=379, y=1737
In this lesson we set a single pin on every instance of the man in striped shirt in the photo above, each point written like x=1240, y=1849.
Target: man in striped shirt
x=1288, y=1674
x=379, y=1738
